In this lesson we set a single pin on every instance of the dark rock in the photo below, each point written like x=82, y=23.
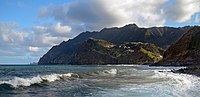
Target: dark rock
x=189, y=70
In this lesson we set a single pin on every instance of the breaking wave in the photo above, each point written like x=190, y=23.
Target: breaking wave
x=162, y=83
x=24, y=82
x=111, y=71
x=181, y=81
x=17, y=81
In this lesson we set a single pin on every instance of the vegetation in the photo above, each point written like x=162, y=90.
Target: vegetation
x=155, y=57
x=95, y=51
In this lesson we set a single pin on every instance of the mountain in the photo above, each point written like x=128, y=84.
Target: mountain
x=160, y=36
x=95, y=51
x=186, y=51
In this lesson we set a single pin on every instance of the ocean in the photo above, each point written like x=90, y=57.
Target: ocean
x=96, y=81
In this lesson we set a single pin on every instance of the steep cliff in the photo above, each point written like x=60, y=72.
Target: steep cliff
x=186, y=51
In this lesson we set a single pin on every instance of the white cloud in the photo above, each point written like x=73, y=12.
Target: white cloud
x=11, y=39
x=32, y=41
x=97, y=14
x=182, y=10
x=142, y=12
x=33, y=49
x=46, y=40
x=58, y=29
x=9, y=34
x=48, y=35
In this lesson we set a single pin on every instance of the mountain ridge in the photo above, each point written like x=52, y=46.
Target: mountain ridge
x=160, y=36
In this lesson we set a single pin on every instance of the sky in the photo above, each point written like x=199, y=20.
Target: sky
x=29, y=28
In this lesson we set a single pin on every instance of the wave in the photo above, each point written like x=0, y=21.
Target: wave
x=181, y=81
x=111, y=71
x=104, y=72
x=4, y=87
x=17, y=81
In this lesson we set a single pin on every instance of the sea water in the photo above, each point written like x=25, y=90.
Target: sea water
x=96, y=81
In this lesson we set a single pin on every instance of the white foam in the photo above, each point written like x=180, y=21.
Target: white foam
x=111, y=71
x=166, y=84
x=181, y=81
x=17, y=81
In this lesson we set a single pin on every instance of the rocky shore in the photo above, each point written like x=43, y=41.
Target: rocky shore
x=189, y=70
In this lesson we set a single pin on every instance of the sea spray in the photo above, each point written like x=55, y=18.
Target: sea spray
x=181, y=81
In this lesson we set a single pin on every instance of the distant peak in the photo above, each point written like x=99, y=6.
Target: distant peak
x=132, y=25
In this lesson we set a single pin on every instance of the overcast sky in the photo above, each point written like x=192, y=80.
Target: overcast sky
x=29, y=28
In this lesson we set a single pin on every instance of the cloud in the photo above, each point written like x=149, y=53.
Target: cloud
x=197, y=19
x=9, y=34
x=55, y=30
x=97, y=14
x=58, y=29
x=44, y=40
x=12, y=39
x=76, y=16
x=34, y=49
x=48, y=35
x=31, y=41
x=182, y=10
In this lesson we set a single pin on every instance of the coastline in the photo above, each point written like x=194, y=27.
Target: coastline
x=189, y=70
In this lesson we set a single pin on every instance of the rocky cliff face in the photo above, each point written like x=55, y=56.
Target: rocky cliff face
x=186, y=51
x=94, y=51
x=161, y=36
